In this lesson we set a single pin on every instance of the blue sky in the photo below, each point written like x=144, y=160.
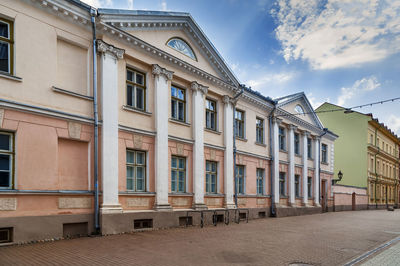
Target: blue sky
x=344, y=52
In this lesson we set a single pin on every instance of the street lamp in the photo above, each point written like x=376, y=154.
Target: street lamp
x=340, y=176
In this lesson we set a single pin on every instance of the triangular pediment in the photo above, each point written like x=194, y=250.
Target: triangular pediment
x=298, y=105
x=157, y=28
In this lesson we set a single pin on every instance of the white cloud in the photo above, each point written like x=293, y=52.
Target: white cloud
x=394, y=123
x=164, y=5
x=315, y=103
x=99, y=3
x=265, y=80
x=130, y=4
x=359, y=87
x=339, y=33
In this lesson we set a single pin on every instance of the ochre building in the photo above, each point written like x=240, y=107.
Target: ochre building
x=143, y=132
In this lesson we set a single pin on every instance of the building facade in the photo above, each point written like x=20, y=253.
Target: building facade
x=367, y=153
x=143, y=132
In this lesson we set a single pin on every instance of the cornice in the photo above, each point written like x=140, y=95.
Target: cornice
x=64, y=10
x=296, y=120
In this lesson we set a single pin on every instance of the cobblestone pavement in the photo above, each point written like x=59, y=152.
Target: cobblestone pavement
x=388, y=257
x=322, y=239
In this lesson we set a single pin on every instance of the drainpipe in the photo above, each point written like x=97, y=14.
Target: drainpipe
x=93, y=14
x=270, y=117
x=319, y=165
x=234, y=144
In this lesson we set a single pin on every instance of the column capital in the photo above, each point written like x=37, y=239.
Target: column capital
x=227, y=99
x=158, y=71
x=195, y=86
x=292, y=127
x=104, y=47
x=307, y=134
x=276, y=120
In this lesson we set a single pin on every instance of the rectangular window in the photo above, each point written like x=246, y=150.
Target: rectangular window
x=135, y=170
x=297, y=186
x=178, y=103
x=282, y=139
x=211, y=177
x=259, y=130
x=282, y=183
x=178, y=174
x=6, y=45
x=260, y=181
x=239, y=124
x=211, y=114
x=309, y=186
x=240, y=172
x=309, y=148
x=136, y=89
x=296, y=143
x=324, y=155
x=6, y=159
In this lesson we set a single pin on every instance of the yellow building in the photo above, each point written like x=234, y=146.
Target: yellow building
x=383, y=165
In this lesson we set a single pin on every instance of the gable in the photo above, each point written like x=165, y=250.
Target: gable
x=155, y=28
x=309, y=116
x=159, y=39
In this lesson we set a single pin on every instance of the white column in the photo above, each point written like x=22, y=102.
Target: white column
x=198, y=92
x=316, y=171
x=228, y=156
x=292, y=198
x=305, y=168
x=109, y=129
x=275, y=156
x=161, y=108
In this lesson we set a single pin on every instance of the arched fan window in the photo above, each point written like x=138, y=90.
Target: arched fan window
x=299, y=109
x=181, y=46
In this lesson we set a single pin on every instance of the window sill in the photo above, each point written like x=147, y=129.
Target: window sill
x=285, y=151
x=71, y=93
x=212, y=131
x=260, y=144
x=177, y=194
x=324, y=163
x=179, y=122
x=9, y=76
x=283, y=197
x=298, y=155
x=144, y=193
x=134, y=110
x=214, y=195
x=241, y=139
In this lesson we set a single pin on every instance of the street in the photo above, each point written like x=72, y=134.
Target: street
x=322, y=239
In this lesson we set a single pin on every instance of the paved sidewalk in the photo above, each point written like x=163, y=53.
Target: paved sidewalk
x=388, y=257
x=321, y=239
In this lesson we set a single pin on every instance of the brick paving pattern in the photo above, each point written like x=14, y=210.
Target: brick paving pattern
x=322, y=239
x=388, y=257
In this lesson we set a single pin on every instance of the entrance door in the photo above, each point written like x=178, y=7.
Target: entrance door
x=324, y=197
x=353, y=201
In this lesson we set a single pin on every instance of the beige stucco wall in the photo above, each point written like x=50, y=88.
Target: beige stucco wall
x=36, y=59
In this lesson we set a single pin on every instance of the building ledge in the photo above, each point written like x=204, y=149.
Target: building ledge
x=134, y=110
x=9, y=76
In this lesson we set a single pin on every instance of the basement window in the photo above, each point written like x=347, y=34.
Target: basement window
x=6, y=235
x=143, y=224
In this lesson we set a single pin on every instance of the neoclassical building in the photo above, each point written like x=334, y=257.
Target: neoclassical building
x=118, y=120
